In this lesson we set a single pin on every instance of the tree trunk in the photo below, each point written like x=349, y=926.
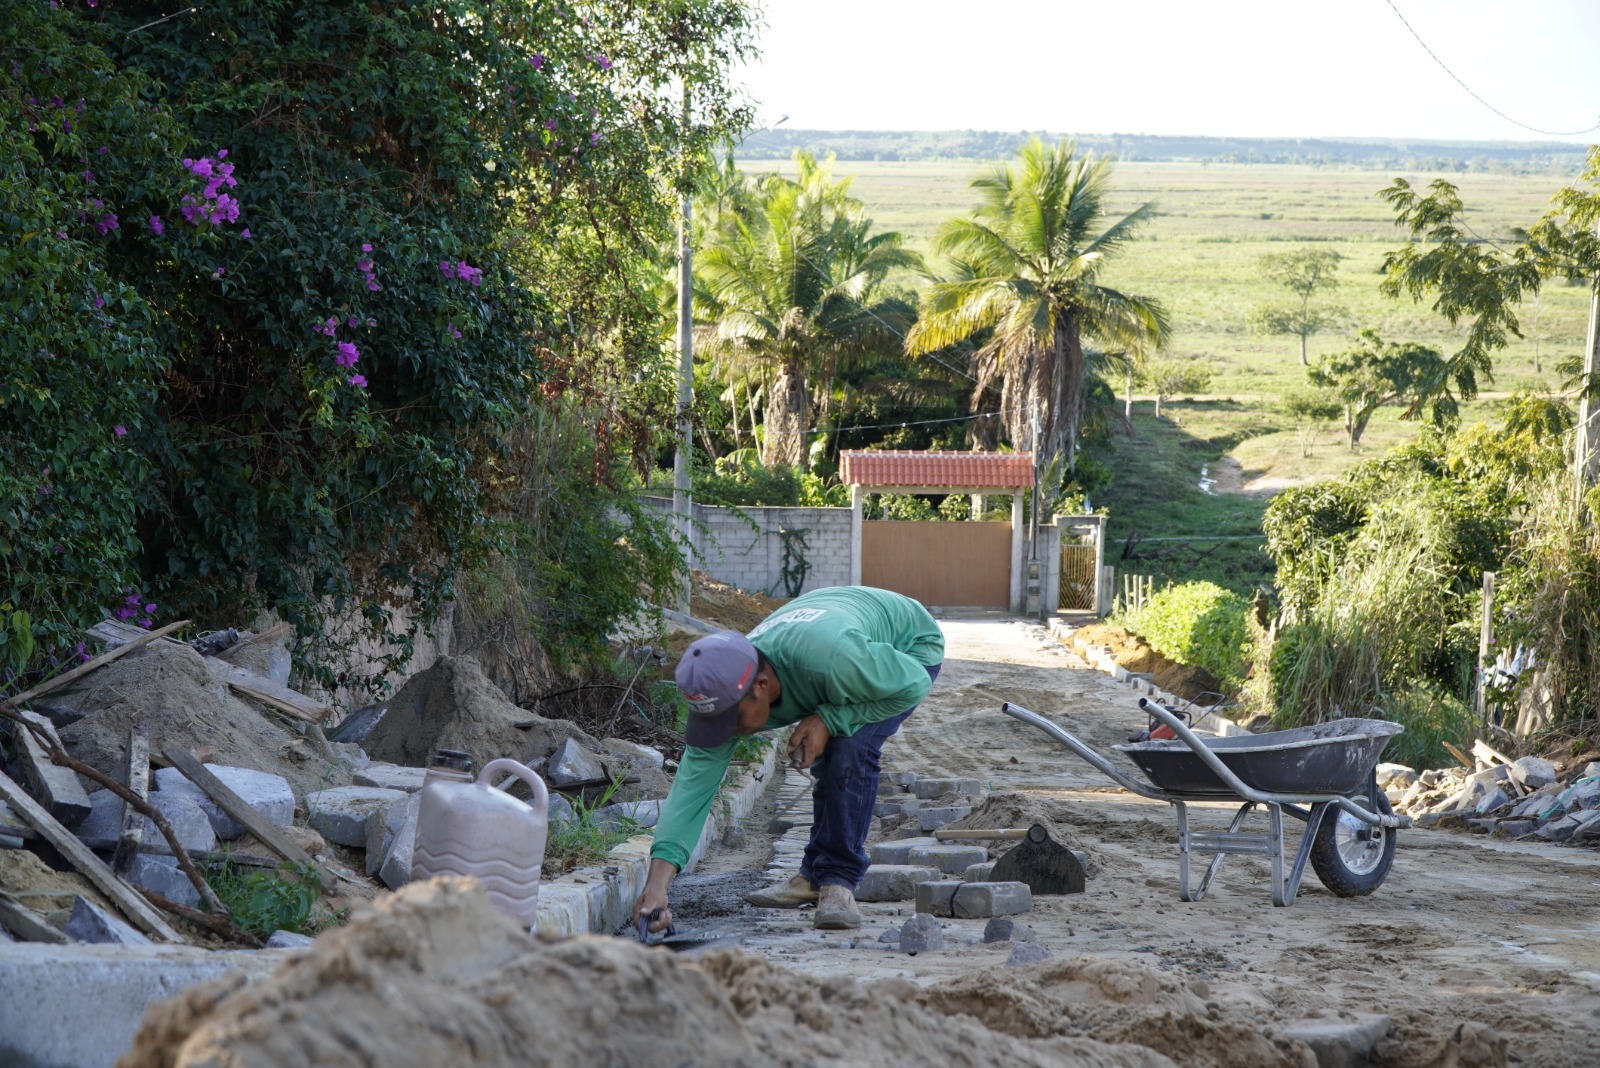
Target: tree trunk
x=1303, y=361
x=788, y=418
x=1127, y=405
x=1350, y=426
x=1072, y=377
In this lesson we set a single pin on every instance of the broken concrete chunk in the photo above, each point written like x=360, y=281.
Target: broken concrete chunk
x=1025, y=953
x=163, y=876
x=341, y=814
x=891, y=935
x=355, y=727
x=571, y=763
x=632, y=753
x=1001, y=929
x=561, y=810
x=894, y=882
x=395, y=869
x=383, y=826
x=268, y=794
x=56, y=788
x=188, y=821
x=391, y=777
x=288, y=940
x=100, y=828
x=920, y=934
x=1341, y=1043
x=91, y=923
x=1391, y=773
x=642, y=813
x=1493, y=799
x=1533, y=772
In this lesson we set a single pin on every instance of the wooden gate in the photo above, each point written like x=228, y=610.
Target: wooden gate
x=949, y=564
x=1080, y=573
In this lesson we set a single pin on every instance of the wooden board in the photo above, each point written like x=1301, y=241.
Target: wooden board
x=136, y=908
x=277, y=696
x=132, y=833
x=57, y=788
x=949, y=564
x=269, y=833
x=27, y=924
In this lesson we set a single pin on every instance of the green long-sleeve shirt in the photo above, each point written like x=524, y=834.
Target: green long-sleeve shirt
x=854, y=655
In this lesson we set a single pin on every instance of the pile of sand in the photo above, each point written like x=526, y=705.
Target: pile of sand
x=1024, y=810
x=453, y=705
x=434, y=975
x=184, y=697
x=728, y=606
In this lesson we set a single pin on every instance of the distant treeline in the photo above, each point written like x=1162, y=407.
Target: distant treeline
x=1522, y=156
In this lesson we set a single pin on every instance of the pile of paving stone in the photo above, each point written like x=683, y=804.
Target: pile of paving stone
x=1526, y=798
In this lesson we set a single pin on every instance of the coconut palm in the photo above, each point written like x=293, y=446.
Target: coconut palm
x=792, y=289
x=1031, y=257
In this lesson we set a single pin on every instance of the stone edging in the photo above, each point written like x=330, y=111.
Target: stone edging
x=599, y=899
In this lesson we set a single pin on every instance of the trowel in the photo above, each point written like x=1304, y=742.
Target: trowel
x=679, y=943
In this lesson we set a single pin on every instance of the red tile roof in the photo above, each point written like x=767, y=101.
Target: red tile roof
x=938, y=470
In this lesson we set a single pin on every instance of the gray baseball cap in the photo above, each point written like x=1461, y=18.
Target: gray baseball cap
x=713, y=676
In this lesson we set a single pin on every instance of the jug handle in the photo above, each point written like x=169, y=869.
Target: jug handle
x=541, y=796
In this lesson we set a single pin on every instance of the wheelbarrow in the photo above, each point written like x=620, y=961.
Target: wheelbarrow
x=1321, y=775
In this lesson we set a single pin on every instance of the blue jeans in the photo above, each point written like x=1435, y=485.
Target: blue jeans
x=844, y=792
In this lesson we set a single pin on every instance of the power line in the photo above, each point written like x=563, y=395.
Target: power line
x=1475, y=96
x=909, y=423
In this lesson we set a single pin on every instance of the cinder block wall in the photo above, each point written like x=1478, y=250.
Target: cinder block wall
x=745, y=546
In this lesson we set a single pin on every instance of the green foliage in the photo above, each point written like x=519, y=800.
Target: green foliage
x=905, y=507
x=262, y=901
x=1374, y=372
x=1173, y=376
x=1197, y=623
x=1304, y=273
x=1309, y=407
x=16, y=639
x=741, y=479
x=585, y=838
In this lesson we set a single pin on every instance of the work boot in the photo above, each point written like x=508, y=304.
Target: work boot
x=789, y=894
x=836, y=910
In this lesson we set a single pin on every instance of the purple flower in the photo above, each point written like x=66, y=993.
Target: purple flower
x=359, y=381
x=372, y=284
x=537, y=60
x=219, y=272
x=245, y=233
x=371, y=321
x=149, y=608
x=223, y=154
x=155, y=225
x=549, y=124
x=348, y=354
x=454, y=332
x=600, y=58
x=106, y=223
x=99, y=301
x=352, y=321
x=120, y=431
x=366, y=248
x=446, y=269
x=594, y=139
x=61, y=235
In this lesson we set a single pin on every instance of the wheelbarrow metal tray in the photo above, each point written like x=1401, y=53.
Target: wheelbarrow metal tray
x=1336, y=757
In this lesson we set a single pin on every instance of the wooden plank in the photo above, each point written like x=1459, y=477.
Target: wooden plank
x=139, y=911
x=129, y=839
x=1489, y=754
x=111, y=633
x=27, y=924
x=269, y=833
x=57, y=788
x=277, y=696
x=98, y=662
x=14, y=826
x=277, y=630
x=1466, y=761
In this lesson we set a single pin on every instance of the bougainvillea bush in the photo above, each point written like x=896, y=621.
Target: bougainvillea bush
x=287, y=274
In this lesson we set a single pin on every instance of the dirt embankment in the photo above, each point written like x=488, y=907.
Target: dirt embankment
x=1131, y=652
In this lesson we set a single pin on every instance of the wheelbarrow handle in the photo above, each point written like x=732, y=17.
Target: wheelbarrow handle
x=1104, y=766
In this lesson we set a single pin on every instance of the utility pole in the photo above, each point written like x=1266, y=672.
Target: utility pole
x=682, y=503
x=1586, y=444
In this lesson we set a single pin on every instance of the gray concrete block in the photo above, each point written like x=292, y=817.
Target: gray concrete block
x=268, y=794
x=926, y=788
x=632, y=753
x=1533, y=772
x=100, y=828
x=1341, y=1043
x=288, y=940
x=1492, y=799
x=341, y=814
x=384, y=824
x=163, y=875
x=974, y=901
x=571, y=763
x=898, y=852
x=920, y=934
x=931, y=819
x=80, y=1004
x=187, y=820
x=894, y=882
x=394, y=871
x=1025, y=953
x=900, y=805
x=642, y=813
x=978, y=873
x=950, y=859
x=561, y=810
x=891, y=935
x=391, y=777
x=1001, y=929
x=91, y=923
x=934, y=898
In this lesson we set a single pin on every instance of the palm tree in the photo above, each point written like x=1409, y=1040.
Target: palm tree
x=1031, y=258
x=793, y=287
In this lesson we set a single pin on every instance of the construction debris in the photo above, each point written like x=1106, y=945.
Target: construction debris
x=1529, y=797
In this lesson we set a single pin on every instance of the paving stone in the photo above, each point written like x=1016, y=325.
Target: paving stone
x=561, y=810
x=978, y=873
x=100, y=828
x=342, y=813
x=572, y=763
x=1514, y=828
x=642, y=813
x=1492, y=799
x=974, y=901
x=894, y=882
x=634, y=754
x=950, y=859
x=188, y=821
x=1533, y=772
x=931, y=819
x=902, y=778
x=91, y=923
x=926, y=788
x=920, y=934
x=391, y=777
x=1341, y=1043
x=289, y=940
x=1025, y=953
x=1590, y=769
x=902, y=805
x=1001, y=929
x=394, y=871
x=162, y=875
x=898, y=852
x=384, y=824
x=268, y=794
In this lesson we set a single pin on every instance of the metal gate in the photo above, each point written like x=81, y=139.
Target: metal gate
x=950, y=564
x=1080, y=565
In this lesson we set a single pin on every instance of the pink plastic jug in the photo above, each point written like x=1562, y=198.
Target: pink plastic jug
x=466, y=826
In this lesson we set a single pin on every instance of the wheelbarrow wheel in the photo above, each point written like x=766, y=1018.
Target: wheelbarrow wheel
x=1352, y=858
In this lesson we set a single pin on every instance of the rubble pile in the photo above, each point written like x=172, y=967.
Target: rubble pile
x=1529, y=797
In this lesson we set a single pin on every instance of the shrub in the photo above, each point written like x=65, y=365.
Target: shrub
x=1200, y=624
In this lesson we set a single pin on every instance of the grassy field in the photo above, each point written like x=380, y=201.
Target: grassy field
x=1201, y=255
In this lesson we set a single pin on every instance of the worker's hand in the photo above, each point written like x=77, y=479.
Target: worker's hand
x=807, y=741
x=654, y=896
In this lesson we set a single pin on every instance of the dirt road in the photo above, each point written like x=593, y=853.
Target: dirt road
x=1481, y=952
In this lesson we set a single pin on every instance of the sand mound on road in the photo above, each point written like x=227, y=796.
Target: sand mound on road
x=435, y=976
x=1024, y=810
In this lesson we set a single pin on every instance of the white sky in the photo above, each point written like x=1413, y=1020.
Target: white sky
x=1243, y=68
